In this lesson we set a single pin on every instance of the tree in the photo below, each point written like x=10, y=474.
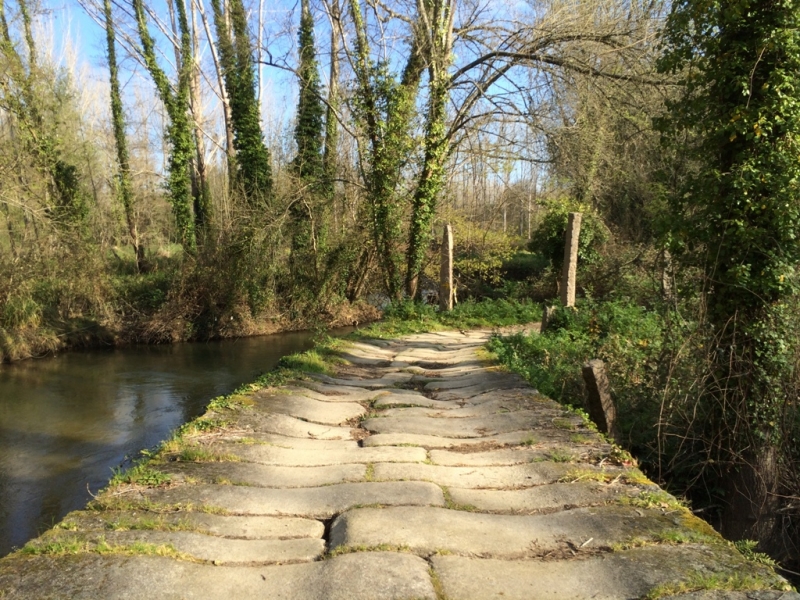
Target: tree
x=307, y=211
x=179, y=130
x=737, y=219
x=66, y=201
x=124, y=183
x=253, y=171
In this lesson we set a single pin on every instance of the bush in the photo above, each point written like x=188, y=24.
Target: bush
x=548, y=238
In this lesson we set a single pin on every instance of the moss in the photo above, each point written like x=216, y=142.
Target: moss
x=438, y=587
x=350, y=549
x=369, y=473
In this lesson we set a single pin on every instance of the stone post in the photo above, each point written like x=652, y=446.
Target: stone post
x=446, y=271
x=570, y=260
x=601, y=406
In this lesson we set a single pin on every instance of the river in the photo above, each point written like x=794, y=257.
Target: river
x=66, y=421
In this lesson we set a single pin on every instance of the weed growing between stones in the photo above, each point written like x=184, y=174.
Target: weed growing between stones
x=139, y=475
x=449, y=503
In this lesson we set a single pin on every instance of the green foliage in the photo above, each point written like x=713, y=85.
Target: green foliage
x=407, y=317
x=548, y=238
x=140, y=475
x=308, y=210
x=179, y=131
x=252, y=167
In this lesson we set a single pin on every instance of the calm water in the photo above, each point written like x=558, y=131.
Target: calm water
x=66, y=421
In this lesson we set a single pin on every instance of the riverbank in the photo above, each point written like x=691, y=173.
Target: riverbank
x=411, y=468
x=41, y=337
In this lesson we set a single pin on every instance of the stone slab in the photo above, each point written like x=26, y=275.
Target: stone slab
x=427, y=530
x=516, y=455
x=358, y=576
x=613, y=576
x=239, y=473
x=223, y=526
x=515, y=476
x=545, y=497
x=496, y=379
x=434, y=441
x=467, y=427
x=386, y=381
x=308, y=409
x=218, y=550
x=409, y=398
x=457, y=410
x=292, y=426
x=321, y=502
x=342, y=392
x=255, y=438
x=477, y=389
x=306, y=458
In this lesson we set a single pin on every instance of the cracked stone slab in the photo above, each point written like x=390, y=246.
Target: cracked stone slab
x=292, y=426
x=388, y=380
x=300, y=390
x=358, y=576
x=409, y=398
x=210, y=524
x=467, y=427
x=307, y=458
x=468, y=366
x=514, y=476
x=260, y=475
x=427, y=530
x=613, y=576
x=513, y=456
x=348, y=392
x=544, y=497
x=435, y=441
x=308, y=409
x=321, y=502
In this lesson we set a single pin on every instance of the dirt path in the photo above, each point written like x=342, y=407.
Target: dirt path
x=418, y=472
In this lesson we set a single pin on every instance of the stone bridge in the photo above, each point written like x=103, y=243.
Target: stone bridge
x=420, y=471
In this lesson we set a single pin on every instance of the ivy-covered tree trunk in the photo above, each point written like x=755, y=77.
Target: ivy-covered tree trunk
x=179, y=130
x=253, y=171
x=738, y=219
x=329, y=158
x=439, y=42
x=385, y=108
x=307, y=210
x=124, y=183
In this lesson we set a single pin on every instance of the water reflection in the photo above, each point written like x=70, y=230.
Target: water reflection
x=66, y=421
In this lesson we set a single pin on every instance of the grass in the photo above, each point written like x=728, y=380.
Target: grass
x=140, y=474
x=632, y=476
x=726, y=582
x=449, y=503
x=407, y=318
x=73, y=545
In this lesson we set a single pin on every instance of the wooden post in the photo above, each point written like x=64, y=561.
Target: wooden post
x=570, y=260
x=601, y=406
x=446, y=271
